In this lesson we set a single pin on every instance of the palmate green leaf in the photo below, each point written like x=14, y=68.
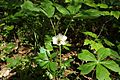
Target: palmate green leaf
x=53, y=66
x=53, y=55
x=108, y=42
x=116, y=14
x=43, y=54
x=91, y=4
x=112, y=65
x=61, y=9
x=48, y=46
x=102, y=53
x=86, y=68
x=102, y=73
x=102, y=5
x=47, y=8
x=114, y=55
x=104, y=13
x=42, y=63
x=89, y=14
x=67, y=63
x=73, y=9
x=28, y=5
x=86, y=56
x=42, y=50
x=94, y=45
x=90, y=34
x=93, y=12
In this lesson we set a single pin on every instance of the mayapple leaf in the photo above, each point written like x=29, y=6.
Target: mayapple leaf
x=47, y=8
x=104, y=13
x=61, y=9
x=86, y=68
x=42, y=50
x=90, y=34
x=73, y=9
x=48, y=46
x=94, y=45
x=89, y=14
x=86, y=56
x=102, y=73
x=112, y=65
x=114, y=55
x=108, y=43
x=42, y=63
x=91, y=4
x=28, y=5
x=102, y=5
x=43, y=54
x=102, y=53
x=53, y=66
x=116, y=14
x=53, y=55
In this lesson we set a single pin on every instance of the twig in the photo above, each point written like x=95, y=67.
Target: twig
x=103, y=27
x=89, y=78
x=53, y=26
x=67, y=27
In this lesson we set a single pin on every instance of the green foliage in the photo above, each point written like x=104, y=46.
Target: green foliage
x=90, y=34
x=101, y=53
x=28, y=5
x=93, y=44
x=47, y=8
x=61, y=9
x=102, y=73
x=91, y=26
x=87, y=68
x=86, y=56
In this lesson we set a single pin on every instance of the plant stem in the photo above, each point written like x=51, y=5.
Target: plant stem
x=60, y=55
x=103, y=27
x=53, y=26
x=67, y=27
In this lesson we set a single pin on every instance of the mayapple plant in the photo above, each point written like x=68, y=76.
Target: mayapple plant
x=60, y=40
x=99, y=58
x=47, y=58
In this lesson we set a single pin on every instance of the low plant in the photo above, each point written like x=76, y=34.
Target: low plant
x=98, y=58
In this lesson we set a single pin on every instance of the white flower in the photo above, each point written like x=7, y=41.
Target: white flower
x=59, y=39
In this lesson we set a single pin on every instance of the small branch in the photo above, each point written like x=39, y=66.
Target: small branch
x=89, y=78
x=67, y=27
x=103, y=27
x=53, y=26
